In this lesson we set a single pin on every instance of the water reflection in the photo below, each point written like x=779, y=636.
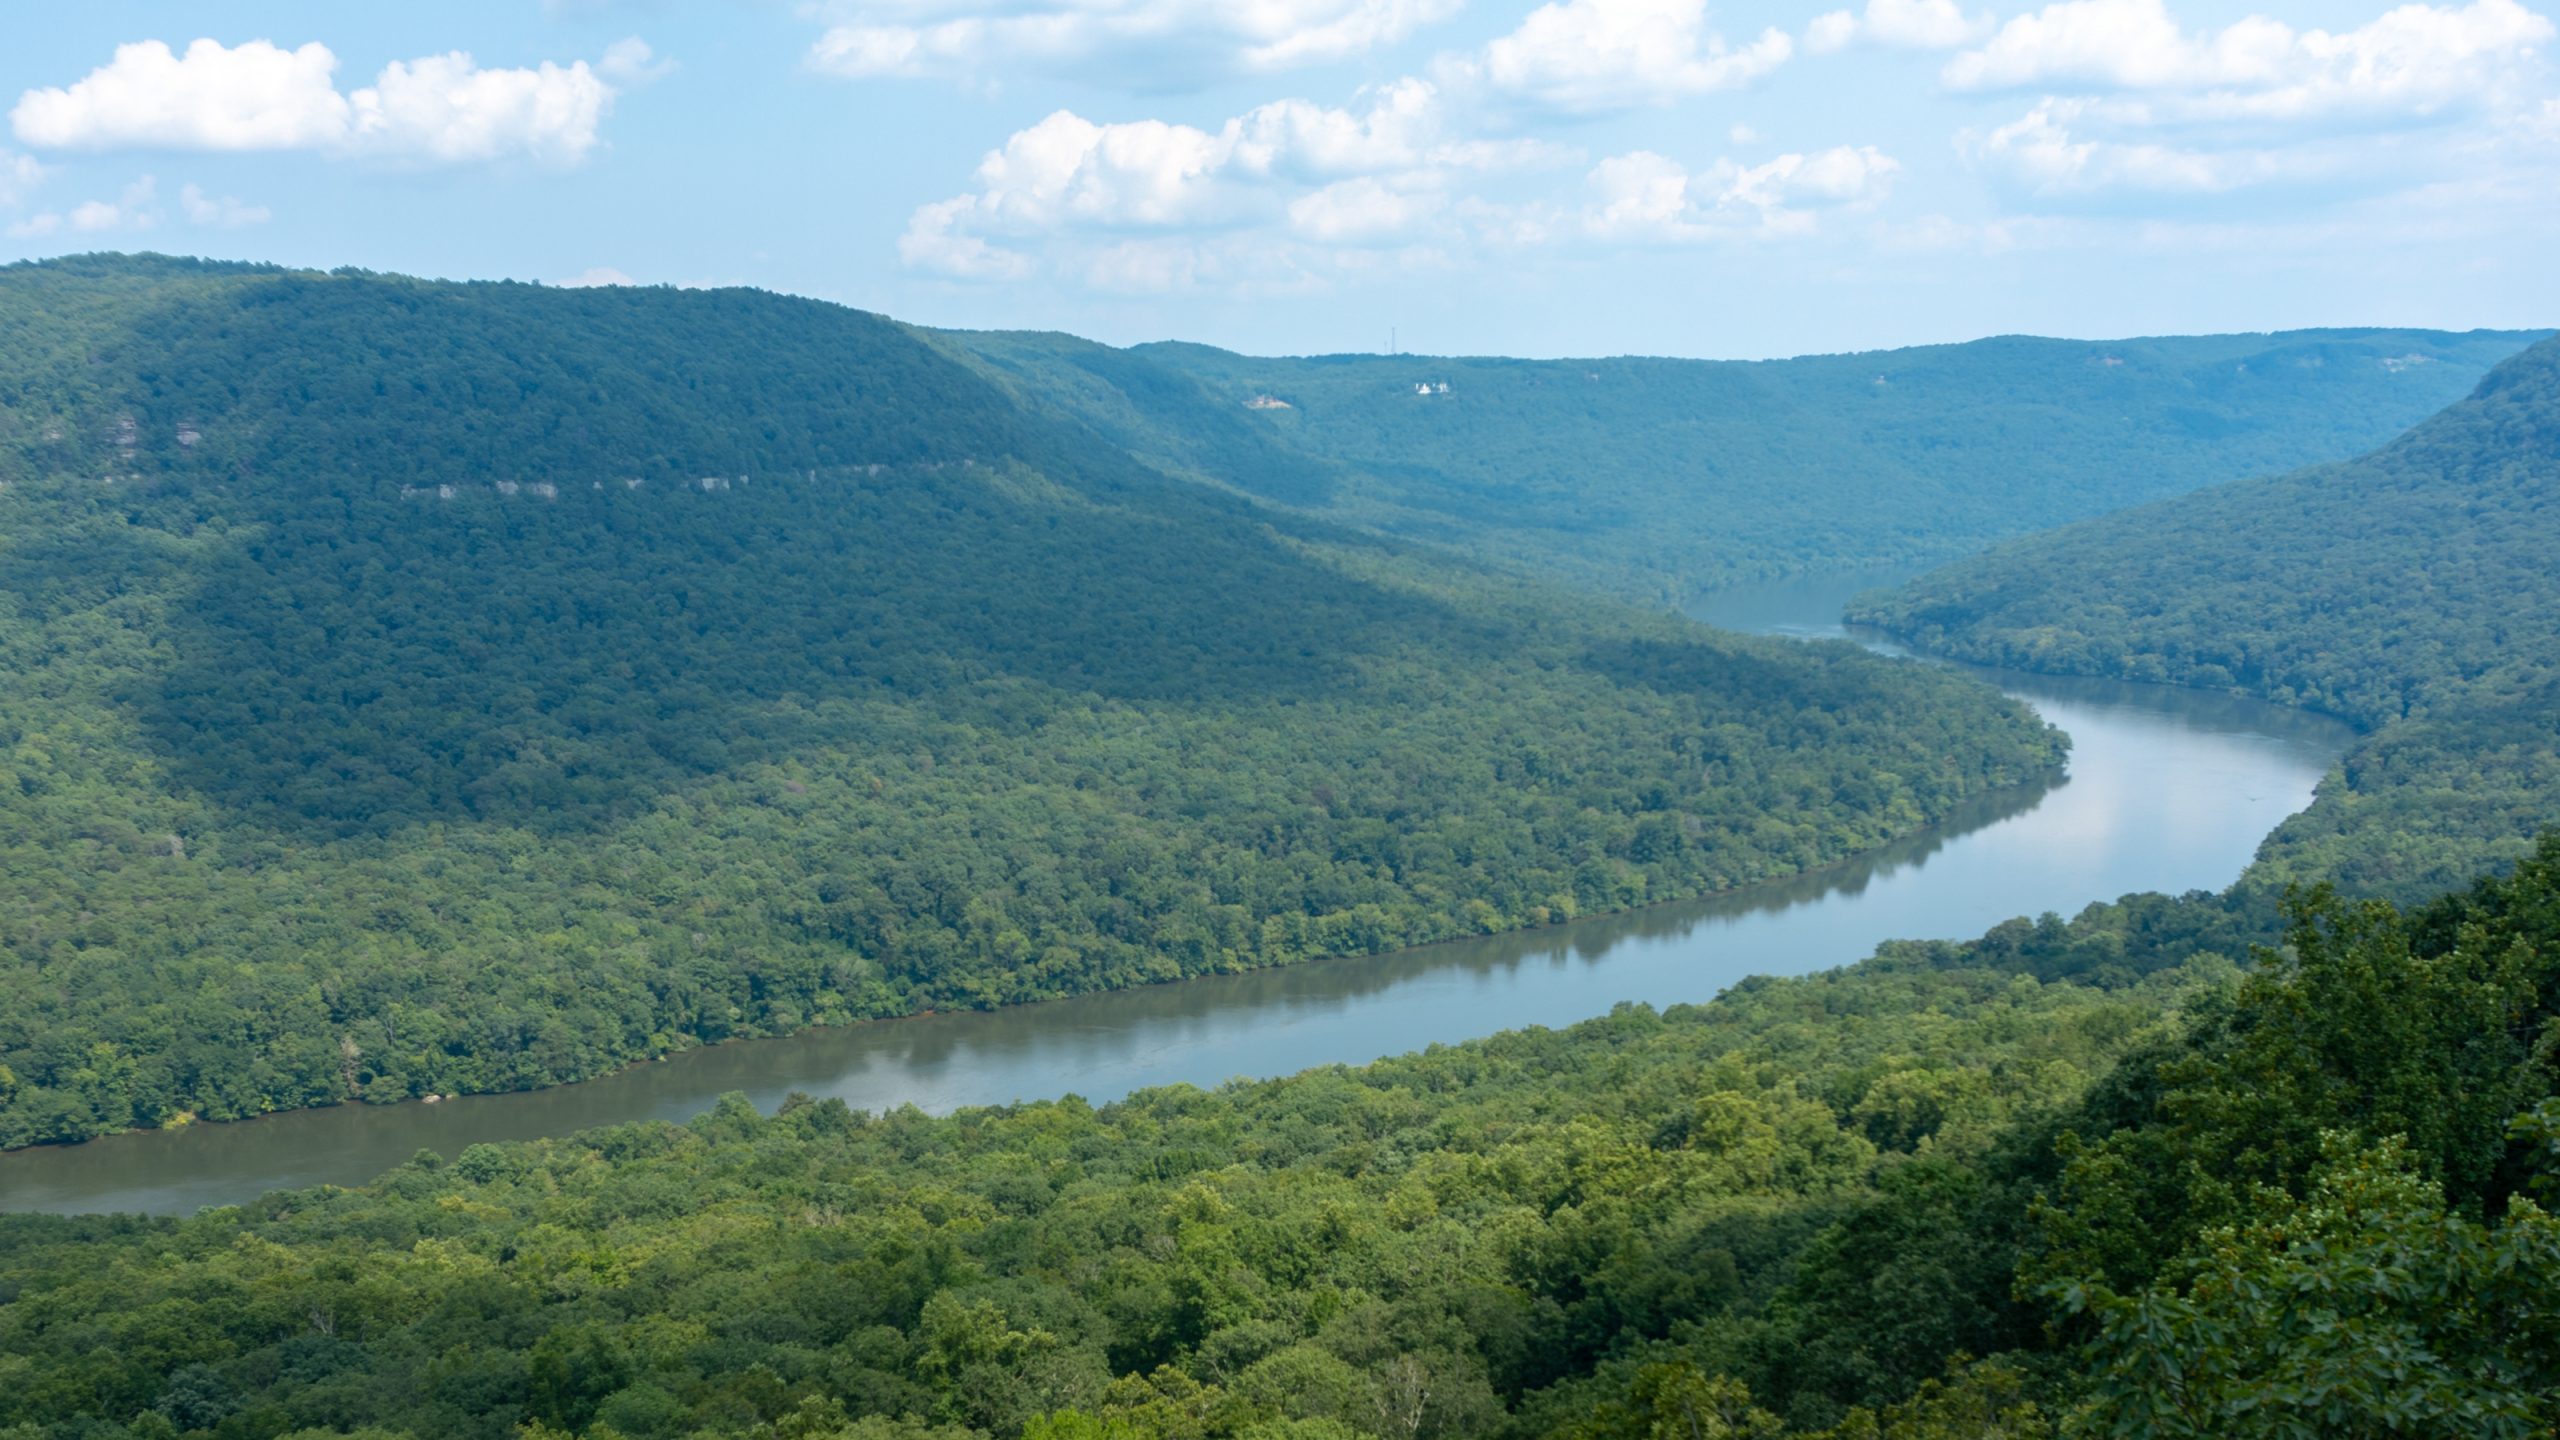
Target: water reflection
x=2168, y=790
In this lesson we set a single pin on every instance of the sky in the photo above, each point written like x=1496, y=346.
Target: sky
x=1577, y=177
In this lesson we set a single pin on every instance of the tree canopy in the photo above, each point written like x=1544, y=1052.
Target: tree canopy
x=2411, y=591
x=423, y=688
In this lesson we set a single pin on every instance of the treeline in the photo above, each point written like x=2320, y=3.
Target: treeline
x=1899, y=1200
x=1656, y=480
x=2411, y=591
x=423, y=688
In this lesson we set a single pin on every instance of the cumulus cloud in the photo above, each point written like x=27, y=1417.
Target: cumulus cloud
x=2167, y=111
x=1595, y=56
x=257, y=96
x=2417, y=59
x=630, y=62
x=1647, y=196
x=595, y=276
x=1183, y=40
x=442, y=109
x=2041, y=152
x=19, y=176
x=1364, y=209
x=221, y=212
x=1371, y=174
x=1068, y=172
x=1899, y=24
x=135, y=209
x=1412, y=176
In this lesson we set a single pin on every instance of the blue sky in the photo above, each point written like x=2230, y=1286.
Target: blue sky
x=1574, y=177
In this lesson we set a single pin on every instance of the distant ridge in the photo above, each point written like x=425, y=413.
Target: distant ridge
x=2413, y=590
x=1658, y=479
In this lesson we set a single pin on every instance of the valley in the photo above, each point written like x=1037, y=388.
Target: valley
x=2167, y=791
x=971, y=885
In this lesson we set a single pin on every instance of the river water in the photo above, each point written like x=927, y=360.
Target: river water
x=2168, y=790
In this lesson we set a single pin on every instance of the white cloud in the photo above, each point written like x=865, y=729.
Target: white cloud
x=1069, y=173
x=1594, y=56
x=2041, y=152
x=630, y=62
x=257, y=96
x=1328, y=174
x=1900, y=24
x=19, y=176
x=1364, y=210
x=2191, y=116
x=595, y=276
x=445, y=108
x=135, y=209
x=1144, y=172
x=2418, y=59
x=937, y=238
x=1175, y=40
x=1643, y=195
x=1411, y=178
x=223, y=212
x=260, y=96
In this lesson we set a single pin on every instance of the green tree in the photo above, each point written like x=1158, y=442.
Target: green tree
x=2366, y=1309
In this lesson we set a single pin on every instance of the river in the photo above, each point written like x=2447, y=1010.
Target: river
x=2168, y=790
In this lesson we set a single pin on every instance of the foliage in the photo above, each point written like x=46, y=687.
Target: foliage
x=1657, y=479
x=2296, y=1202
x=2365, y=1309
x=1432, y=1246
x=629, y=726
x=428, y=688
x=2411, y=591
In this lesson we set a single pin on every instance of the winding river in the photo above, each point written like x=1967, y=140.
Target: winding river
x=2168, y=790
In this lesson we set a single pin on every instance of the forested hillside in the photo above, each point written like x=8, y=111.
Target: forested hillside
x=1931, y=1202
x=2413, y=591
x=418, y=688
x=1658, y=479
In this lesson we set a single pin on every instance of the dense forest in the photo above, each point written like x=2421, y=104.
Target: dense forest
x=1938, y=1201
x=2412, y=591
x=425, y=688
x=1657, y=479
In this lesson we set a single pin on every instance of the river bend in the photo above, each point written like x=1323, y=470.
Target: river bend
x=2168, y=790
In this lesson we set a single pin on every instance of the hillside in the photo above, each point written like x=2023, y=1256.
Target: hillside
x=1657, y=479
x=420, y=688
x=2412, y=591
x=1797, y=1210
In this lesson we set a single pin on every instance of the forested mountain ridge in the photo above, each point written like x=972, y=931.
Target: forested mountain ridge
x=2413, y=591
x=1657, y=479
x=421, y=687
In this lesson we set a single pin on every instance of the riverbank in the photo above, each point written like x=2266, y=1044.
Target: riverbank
x=2169, y=790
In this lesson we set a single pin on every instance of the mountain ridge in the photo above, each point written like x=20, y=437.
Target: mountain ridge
x=2408, y=590
x=432, y=687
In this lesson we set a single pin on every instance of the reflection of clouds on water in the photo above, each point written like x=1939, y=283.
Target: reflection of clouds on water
x=2169, y=790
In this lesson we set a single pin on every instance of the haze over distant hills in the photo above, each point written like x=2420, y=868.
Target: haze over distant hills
x=1656, y=479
